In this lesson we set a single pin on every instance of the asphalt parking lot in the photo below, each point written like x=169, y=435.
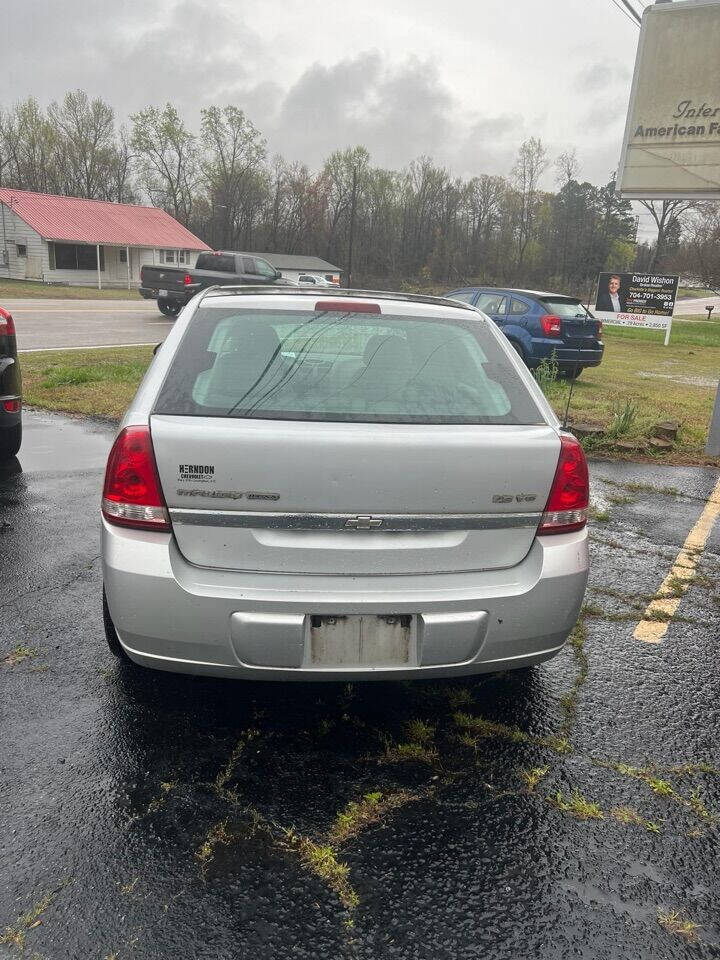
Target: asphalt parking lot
x=51, y=324
x=568, y=812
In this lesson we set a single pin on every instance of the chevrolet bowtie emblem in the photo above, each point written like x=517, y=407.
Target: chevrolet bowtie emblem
x=363, y=523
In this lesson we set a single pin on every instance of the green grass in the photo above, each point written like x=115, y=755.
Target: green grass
x=695, y=332
x=641, y=374
x=92, y=382
x=13, y=289
x=695, y=293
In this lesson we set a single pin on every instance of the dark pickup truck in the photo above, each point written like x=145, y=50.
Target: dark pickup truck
x=173, y=287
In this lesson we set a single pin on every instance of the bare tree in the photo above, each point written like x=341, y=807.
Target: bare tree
x=530, y=165
x=167, y=157
x=668, y=217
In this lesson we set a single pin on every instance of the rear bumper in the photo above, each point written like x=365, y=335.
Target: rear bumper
x=565, y=356
x=174, y=296
x=172, y=616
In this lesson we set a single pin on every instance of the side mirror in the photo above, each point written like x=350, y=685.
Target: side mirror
x=277, y=274
x=156, y=348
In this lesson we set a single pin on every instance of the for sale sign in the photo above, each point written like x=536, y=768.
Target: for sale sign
x=636, y=299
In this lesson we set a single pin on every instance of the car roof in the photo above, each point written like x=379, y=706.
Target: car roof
x=333, y=293
x=543, y=294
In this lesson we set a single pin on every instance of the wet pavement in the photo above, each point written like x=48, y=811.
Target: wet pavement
x=564, y=812
x=44, y=324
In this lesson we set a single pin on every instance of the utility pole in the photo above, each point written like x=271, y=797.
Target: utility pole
x=352, y=227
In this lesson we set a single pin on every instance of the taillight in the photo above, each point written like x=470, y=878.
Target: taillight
x=12, y=406
x=348, y=306
x=567, y=506
x=187, y=280
x=132, y=496
x=7, y=324
x=599, y=323
x=551, y=325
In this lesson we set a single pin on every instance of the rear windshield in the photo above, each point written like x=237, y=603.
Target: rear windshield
x=352, y=367
x=566, y=307
x=216, y=262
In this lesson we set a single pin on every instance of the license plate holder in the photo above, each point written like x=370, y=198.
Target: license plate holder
x=162, y=293
x=378, y=640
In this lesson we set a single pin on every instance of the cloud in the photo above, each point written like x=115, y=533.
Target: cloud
x=396, y=111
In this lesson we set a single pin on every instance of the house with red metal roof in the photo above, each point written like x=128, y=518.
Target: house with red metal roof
x=87, y=242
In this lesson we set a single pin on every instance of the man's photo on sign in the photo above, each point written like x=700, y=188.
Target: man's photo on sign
x=611, y=296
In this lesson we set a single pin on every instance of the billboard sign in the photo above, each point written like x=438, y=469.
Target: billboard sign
x=636, y=299
x=671, y=148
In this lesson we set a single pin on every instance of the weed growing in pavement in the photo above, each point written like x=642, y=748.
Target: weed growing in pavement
x=474, y=729
x=628, y=815
x=459, y=697
x=598, y=515
x=633, y=487
x=620, y=500
x=420, y=732
x=569, y=701
x=533, y=777
x=409, y=752
x=674, y=922
x=592, y=610
x=360, y=814
x=225, y=775
x=576, y=805
x=217, y=835
x=15, y=936
x=322, y=860
x=18, y=654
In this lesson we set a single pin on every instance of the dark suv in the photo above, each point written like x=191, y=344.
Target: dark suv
x=10, y=384
x=541, y=325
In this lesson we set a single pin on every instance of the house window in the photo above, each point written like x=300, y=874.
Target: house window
x=75, y=256
x=21, y=249
x=167, y=256
x=183, y=256
x=123, y=255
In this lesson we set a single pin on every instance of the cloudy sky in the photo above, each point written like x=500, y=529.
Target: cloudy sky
x=464, y=82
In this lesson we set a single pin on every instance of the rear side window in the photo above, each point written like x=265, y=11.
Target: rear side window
x=465, y=296
x=338, y=366
x=566, y=307
x=215, y=261
x=518, y=307
x=492, y=303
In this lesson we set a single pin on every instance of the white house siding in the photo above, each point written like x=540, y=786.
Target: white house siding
x=18, y=232
x=36, y=266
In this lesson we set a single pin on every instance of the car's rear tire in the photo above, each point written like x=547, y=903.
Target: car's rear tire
x=10, y=441
x=168, y=307
x=111, y=633
x=518, y=350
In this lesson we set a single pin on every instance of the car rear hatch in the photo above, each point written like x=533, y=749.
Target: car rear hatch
x=579, y=329
x=298, y=497
x=336, y=440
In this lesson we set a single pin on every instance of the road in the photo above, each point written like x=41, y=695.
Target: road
x=51, y=324
x=686, y=308
x=157, y=816
x=48, y=324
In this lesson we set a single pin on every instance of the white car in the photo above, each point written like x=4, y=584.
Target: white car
x=314, y=280
x=348, y=485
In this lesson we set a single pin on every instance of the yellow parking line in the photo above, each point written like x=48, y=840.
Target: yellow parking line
x=652, y=631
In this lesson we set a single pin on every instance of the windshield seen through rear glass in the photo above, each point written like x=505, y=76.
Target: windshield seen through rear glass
x=566, y=308
x=339, y=366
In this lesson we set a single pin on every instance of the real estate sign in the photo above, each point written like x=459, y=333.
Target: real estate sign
x=636, y=299
x=671, y=147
